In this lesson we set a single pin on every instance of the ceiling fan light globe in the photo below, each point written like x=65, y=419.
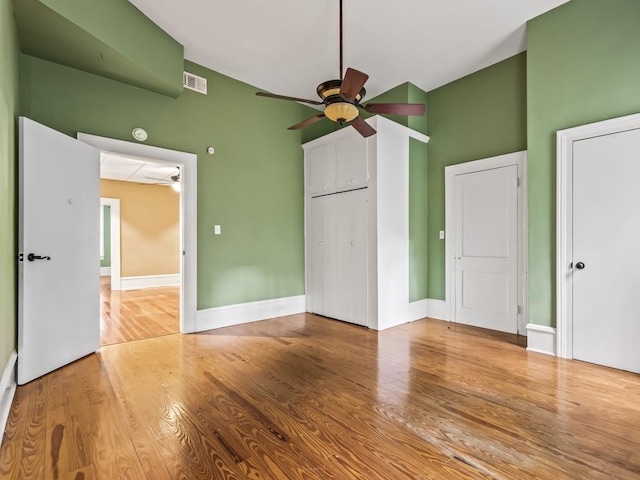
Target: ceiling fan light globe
x=341, y=112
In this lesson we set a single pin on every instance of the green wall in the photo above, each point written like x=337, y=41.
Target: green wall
x=106, y=236
x=418, y=216
x=111, y=38
x=252, y=186
x=583, y=66
x=9, y=71
x=478, y=116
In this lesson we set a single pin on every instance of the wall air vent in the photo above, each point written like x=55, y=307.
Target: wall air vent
x=194, y=82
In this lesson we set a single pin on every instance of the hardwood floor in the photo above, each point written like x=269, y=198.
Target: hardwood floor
x=304, y=397
x=127, y=315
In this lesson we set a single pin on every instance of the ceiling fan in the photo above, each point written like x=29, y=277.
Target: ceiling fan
x=341, y=100
x=173, y=181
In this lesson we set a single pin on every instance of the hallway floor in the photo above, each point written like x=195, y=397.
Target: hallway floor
x=127, y=315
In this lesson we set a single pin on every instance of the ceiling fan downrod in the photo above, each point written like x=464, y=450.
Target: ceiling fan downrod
x=341, y=98
x=341, y=64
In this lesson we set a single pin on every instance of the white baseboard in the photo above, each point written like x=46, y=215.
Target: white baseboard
x=229, y=315
x=7, y=390
x=105, y=271
x=149, y=281
x=418, y=310
x=541, y=339
x=429, y=307
x=437, y=309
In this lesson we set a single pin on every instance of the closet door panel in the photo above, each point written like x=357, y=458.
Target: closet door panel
x=321, y=168
x=344, y=226
x=351, y=162
x=351, y=256
x=329, y=260
x=359, y=257
x=316, y=256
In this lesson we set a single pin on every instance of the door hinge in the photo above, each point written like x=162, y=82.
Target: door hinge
x=519, y=309
x=184, y=253
x=21, y=257
x=517, y=182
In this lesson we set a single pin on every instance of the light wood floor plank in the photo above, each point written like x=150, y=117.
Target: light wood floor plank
x=304, y=397
x=128, y=315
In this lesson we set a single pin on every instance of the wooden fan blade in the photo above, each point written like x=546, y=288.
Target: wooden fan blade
x=307, y=122
x=352, y=83
x=283, y=97
x=362, y=127
x=396, y=108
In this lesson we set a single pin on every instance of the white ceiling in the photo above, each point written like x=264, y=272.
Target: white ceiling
x=290, y=46
x=130, y=169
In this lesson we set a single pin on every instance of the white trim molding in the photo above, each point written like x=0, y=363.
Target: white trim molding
x=238, y=314
x=150, y=281
x=437, y=309
x=114, y=240
x=188, y=163
x=7, y=391
x=428, y=307
x=105, y=272
x=516, y=158
x=564, y=219
x=417, y=310
x=541, y=339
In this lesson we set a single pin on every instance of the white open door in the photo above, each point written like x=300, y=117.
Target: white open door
x=59, y=293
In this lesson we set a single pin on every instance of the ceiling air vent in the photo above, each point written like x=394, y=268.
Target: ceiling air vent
x=194, y=82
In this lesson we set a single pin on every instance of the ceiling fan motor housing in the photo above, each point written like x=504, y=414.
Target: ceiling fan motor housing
x=337, y=108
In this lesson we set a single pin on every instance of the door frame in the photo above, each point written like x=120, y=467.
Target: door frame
x=114, y=237
x=564, y=219
x=188, y=226
x=516, y=158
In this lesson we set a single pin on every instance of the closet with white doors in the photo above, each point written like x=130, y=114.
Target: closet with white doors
x=357, y=224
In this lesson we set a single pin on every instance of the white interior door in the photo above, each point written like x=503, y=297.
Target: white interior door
x=486, y=248
x=606, y=258
x=59, y=294
x=338, y=256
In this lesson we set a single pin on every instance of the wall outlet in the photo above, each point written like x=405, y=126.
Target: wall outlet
x=441, y=234
x=216, y=230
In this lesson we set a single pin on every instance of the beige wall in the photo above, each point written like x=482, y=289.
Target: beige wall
x=149, y=227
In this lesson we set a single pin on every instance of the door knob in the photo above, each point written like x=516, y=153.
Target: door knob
x=32, y=257
x=580, y=265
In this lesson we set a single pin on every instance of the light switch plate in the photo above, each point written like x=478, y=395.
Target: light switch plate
x=216, y=230
x=441, y=234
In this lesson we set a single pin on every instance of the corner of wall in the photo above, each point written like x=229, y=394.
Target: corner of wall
x=9, y=110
